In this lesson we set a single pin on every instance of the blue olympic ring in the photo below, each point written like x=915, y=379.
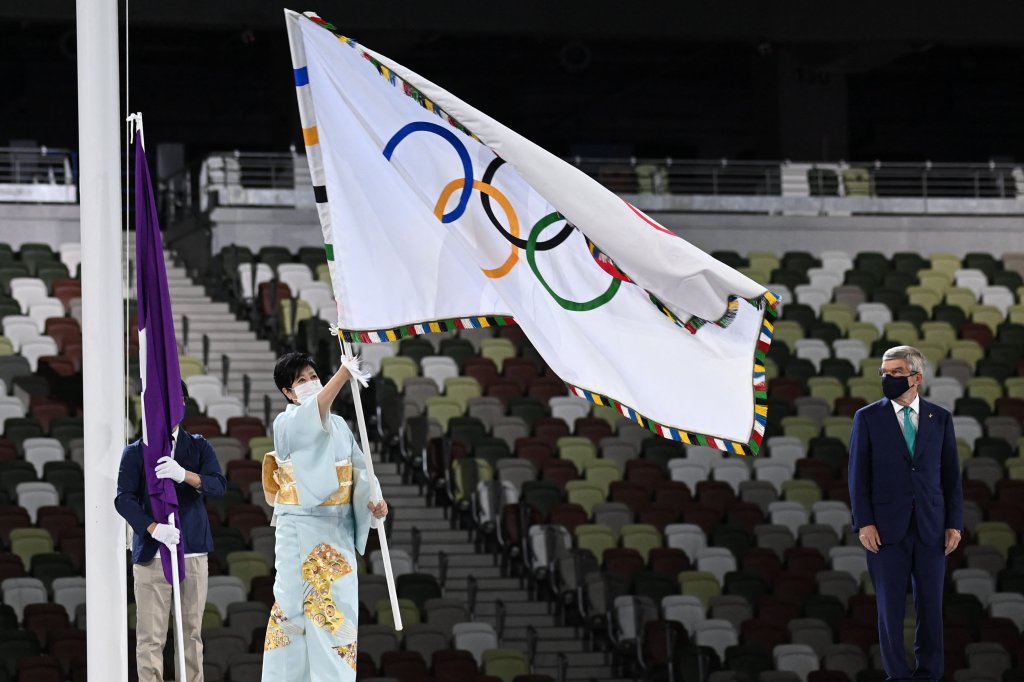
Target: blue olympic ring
x=460, y=149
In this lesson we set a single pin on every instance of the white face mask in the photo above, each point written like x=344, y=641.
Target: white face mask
x=307, y=390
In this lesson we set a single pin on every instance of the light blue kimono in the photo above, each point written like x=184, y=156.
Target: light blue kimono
x=322, y=520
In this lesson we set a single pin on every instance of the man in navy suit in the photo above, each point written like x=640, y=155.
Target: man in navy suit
x=907, y=503
x=196, y=473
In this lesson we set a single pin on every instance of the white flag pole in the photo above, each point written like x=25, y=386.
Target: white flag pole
x=375, y=496
x=176, y=591
x=103, y=333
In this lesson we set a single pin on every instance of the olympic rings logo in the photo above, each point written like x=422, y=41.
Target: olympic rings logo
x=531, y=245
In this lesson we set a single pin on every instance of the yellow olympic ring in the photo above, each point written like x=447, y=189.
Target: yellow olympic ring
x=506, y=206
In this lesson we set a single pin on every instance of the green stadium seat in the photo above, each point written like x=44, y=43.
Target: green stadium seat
x=595, y=538
x=505, y=664
x=988, y=315
x=700, y=584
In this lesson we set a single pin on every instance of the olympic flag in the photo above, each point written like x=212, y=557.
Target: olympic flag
x=437, y=217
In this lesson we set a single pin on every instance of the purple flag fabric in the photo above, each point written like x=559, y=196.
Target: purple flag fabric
x=162, y=401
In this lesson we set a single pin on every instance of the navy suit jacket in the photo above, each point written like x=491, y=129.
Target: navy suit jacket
x=887, y=486
x=195, y=454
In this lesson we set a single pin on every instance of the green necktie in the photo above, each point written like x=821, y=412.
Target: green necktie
x=909, y=432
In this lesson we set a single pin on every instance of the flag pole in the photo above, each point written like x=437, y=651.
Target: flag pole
x=176, y=591
x=103, y=333
x=135, y=126
x=376, y=495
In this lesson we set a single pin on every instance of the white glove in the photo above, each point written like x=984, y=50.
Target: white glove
x=354, y=366
x=166, y=467
x=167, y=534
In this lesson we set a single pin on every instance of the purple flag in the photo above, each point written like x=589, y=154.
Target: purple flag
x=162, y=402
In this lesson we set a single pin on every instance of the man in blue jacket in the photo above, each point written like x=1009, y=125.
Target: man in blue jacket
x=196, y=473
x=907, y=503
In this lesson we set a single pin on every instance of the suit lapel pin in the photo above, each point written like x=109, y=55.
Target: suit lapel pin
x=930, y=415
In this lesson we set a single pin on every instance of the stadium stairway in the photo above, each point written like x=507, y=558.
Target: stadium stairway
x=228, y=337
x=436, y=537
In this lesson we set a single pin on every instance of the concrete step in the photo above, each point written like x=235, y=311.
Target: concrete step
x=577, y=660
x=184, y=288
x=469, y=562
x=200, y=316
x=455, y=551
x=217, y=336
x=191, y=308
x=520, y=621
x=401, y=502
x=485, y=609
x=458, y=572
x=513, y=598
x=582, y=673
x=391, y=468
x=393, y=480
x=571, y=647
x=434, y=538
x=408, y=523
x=250, y=350
x=544, y=632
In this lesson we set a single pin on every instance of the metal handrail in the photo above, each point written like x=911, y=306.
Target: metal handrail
x=36, y=165
x=721, y=177
x=924, y=179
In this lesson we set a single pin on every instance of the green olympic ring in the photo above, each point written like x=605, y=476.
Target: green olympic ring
x=531, y=257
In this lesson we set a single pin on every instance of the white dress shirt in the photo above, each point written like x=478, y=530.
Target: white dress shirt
x=915, y=413
x=174, y=447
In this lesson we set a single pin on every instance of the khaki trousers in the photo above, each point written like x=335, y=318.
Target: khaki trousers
x=153, y=600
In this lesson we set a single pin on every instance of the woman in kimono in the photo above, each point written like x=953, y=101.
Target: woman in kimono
x=317, y=481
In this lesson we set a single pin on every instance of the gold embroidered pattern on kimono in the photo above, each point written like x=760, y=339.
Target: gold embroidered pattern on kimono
x=321, y=568
x=276, y=638
x=347, y=653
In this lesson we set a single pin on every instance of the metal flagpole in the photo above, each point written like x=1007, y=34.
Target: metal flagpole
x=103, y=334
x=375, y=496
x=176, y=591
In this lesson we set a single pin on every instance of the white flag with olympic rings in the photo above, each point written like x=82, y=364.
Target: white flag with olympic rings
x=438, y=218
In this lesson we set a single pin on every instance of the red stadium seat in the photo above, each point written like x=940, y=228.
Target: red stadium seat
x=762, y=634
x=645, y=474
x=545, y=388
x=202, y=426
x=716, y=494
x=634, y=496
x=39, y=669
x=559, y=472
x=708, y=518
x=550, y=429
x=245, y=517
x=668, y=560
x=504, y=390
x=68, y=648
x=568, y=514
x=244, y=472
x=454, y=664
x=405, y=666
x=593, y=428
x=624, y=563
x=521, y=371
x=483, y=370
x=58, y=521
x=761, y=561
x=534, y=450
x=658, y=516
x=45, y=620
x=745, y=515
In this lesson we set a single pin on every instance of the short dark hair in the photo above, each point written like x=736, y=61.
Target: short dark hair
x=289, y=366
x=184, y=390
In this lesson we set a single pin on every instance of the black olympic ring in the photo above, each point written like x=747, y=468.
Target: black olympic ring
x=485, y=200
